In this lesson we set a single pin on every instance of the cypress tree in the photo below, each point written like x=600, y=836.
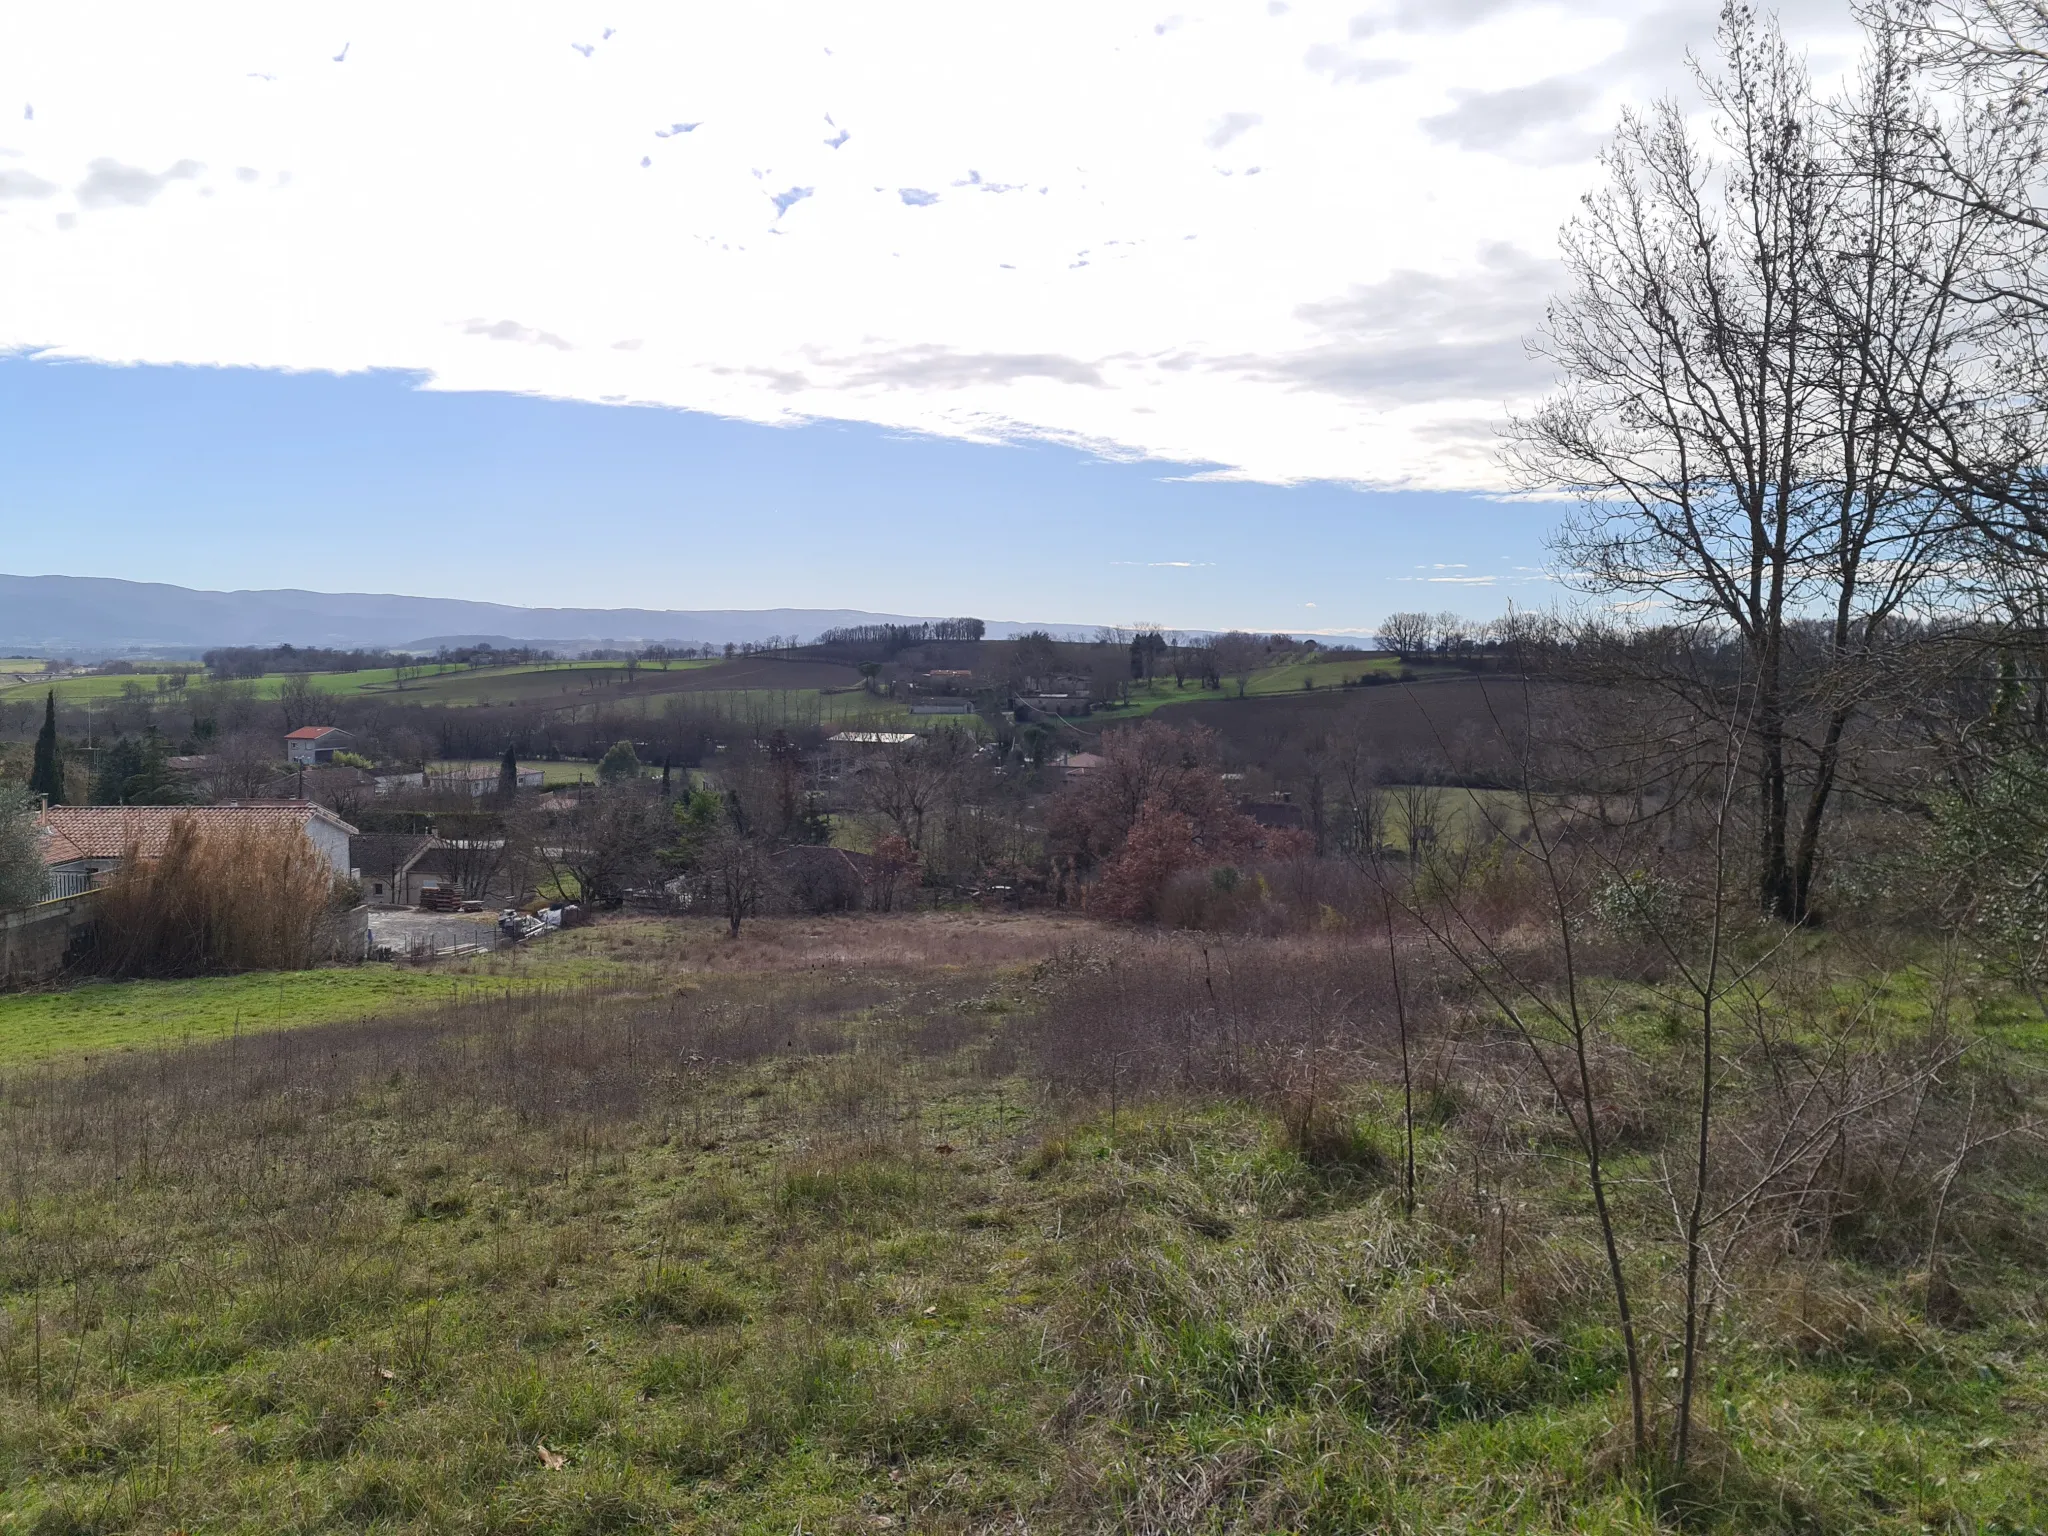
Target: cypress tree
x=508, y=775
x=46, y=776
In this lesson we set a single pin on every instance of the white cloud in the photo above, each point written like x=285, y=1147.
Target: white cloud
x=746, y=192
x=1231, y=127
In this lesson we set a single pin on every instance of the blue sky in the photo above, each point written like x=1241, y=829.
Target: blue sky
x=224, y=478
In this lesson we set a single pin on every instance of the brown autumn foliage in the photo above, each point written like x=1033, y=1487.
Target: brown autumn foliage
x=219, y=899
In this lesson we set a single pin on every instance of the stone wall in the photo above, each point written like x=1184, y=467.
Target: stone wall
x=35, y=940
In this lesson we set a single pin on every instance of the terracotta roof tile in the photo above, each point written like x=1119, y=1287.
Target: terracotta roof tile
x=107, y=831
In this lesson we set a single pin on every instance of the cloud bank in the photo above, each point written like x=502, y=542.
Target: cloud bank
x=1290, y=241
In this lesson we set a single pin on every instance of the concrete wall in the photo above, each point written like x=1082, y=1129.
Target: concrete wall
x=345, y=936
x=332, y=843
x=35, y=940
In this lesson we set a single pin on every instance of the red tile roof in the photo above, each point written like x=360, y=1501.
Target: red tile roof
x=313, y=732
x=108, y=831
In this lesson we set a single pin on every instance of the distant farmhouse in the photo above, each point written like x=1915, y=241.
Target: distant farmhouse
x=312, y=745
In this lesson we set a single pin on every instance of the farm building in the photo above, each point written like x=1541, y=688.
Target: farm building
x=310, y=745
x=389, y=865
x=80, y=843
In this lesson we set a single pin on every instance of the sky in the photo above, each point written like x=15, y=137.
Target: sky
x=1094, y=311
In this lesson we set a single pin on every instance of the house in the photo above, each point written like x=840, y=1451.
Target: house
x=311, y=744
x=388, y=864
x=80, y=843
x=1079, y=763
x=477, y=779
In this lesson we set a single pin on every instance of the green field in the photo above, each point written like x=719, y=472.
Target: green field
x=568, y=685
x=1284, y=680
x=558, y=772
x=77, y=690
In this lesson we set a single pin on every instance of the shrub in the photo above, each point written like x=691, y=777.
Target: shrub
x=236, y=899
x=23, y=879
x=619, y=763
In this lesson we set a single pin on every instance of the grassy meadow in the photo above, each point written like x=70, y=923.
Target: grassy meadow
x=948, y=1224
x=102, y=1016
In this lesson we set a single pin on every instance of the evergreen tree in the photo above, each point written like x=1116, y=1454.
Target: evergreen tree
x=619, y=764
x=46, y=777
x=508, y=775
x=134, y=771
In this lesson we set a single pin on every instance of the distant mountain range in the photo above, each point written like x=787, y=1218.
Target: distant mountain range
x=94, y=615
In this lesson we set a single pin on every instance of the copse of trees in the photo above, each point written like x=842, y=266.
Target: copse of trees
x=242, y=661
x=885, y=640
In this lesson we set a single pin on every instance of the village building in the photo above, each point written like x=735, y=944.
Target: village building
x=310, y=745
x=82, y=843
x=394, y=867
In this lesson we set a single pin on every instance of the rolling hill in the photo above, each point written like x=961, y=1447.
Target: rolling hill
x=98, y=615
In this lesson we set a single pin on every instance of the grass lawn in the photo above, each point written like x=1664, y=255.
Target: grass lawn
x=118, y=1015
x=112, y=1015
x=859, y=1248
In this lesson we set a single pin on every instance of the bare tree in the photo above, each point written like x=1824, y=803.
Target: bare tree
x=908, y=784
x=1406, y=633
x=298, y=702
x=606, y=845
x=1359, y=820
x=1238, y=656
x=735, y=869
x=242, y=764
x=1738, y=341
